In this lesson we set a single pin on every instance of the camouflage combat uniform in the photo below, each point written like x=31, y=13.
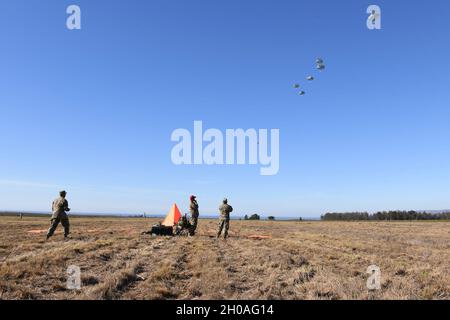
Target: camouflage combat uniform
x=193, y=210
x=184, y=227
x=224, y=220
x=59, y=208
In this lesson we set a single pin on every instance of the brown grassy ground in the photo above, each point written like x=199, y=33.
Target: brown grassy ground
x=301, y=260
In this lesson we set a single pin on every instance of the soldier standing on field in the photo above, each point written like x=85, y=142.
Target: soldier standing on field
x=193, y=210
x=59, y=208
x=224, y=220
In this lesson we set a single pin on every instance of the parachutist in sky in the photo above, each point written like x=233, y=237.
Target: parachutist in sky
x=320, y=67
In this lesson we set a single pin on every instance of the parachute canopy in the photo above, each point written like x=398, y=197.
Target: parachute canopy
x=309, y=78
x=296, y=86
x=172, y=217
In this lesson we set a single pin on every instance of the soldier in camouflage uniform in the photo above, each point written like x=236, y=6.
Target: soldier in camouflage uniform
x=224, y=221
x=193, y=210
x=59, y=208
x=184, y=227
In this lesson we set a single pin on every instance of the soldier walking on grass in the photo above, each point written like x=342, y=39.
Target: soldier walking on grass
x=59, y=208
x=224, y=220
x=193, y=210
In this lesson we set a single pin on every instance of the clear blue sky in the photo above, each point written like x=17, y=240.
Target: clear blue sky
x=92, y=111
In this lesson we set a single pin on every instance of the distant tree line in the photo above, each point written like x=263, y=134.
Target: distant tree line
x=252, y=217
x=385, y=215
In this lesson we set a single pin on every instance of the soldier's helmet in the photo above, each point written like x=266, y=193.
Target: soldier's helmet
x=62, y=193
x=225, y=200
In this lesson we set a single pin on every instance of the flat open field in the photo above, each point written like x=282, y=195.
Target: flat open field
x=299, y=260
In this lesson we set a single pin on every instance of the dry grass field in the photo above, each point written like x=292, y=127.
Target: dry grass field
x=300, y=260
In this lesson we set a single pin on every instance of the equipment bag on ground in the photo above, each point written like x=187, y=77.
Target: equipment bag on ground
x=161, y=230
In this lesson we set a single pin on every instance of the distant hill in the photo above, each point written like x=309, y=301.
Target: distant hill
x=435, y=211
